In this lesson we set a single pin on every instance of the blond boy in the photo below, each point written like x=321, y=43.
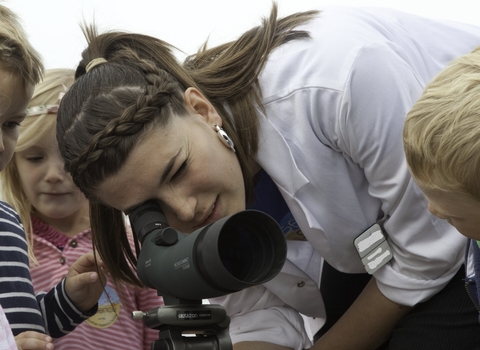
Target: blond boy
x=442, y=146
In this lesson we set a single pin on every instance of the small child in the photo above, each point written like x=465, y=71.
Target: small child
x=442, y=146
x=75, y=297
x=55, y=215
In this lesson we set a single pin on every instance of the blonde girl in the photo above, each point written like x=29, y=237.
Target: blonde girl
x=56, y=219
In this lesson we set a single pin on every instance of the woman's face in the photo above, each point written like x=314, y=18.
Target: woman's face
x=184, y=167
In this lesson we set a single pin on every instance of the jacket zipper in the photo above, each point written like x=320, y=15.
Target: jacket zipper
x=474, y=301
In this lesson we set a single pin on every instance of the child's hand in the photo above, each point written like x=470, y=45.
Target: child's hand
x=83, y=284
x=31, y=340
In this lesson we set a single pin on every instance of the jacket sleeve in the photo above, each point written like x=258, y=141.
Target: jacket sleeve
x=52, y=313
x=59, y=314
x=427, y=252
x=17, y=296
x=252, y=313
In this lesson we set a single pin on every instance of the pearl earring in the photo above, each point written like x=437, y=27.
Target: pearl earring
x=226, y=140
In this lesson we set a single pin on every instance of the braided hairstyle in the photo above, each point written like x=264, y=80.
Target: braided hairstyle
x=142, y=96
x=136, y=96
x=141, y=85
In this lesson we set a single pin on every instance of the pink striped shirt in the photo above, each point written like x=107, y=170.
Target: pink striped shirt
x=112, y=327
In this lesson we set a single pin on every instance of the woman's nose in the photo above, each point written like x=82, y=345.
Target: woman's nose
x=183, y=208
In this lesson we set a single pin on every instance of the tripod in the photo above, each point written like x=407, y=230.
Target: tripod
x=188, y=325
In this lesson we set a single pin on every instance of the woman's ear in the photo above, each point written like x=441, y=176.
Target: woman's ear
x=196, y=103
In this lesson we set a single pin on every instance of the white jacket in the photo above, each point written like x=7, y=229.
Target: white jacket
x=331, y=140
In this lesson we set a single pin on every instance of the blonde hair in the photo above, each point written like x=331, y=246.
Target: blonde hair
x=33, y=129
x=16, y=53
x=442, y=131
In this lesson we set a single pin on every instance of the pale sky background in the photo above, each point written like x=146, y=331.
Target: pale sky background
x=54, y=30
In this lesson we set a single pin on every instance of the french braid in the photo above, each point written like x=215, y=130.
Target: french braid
x=153, y=105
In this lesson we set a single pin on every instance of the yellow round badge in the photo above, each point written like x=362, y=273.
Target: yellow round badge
x=108, y=310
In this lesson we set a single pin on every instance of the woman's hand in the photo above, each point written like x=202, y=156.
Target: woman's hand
x=84, y=285
x=31, y=340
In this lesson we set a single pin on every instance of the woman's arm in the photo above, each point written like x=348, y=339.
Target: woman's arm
x=252, y=345
x=371, y=319
x=259, y=319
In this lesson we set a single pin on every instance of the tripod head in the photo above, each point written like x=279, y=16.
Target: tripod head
x=190, y=325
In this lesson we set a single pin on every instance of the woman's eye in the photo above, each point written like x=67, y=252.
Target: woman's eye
x=180, y=170
x=11, y=125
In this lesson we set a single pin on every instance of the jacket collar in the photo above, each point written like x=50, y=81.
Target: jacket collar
x=275, y=157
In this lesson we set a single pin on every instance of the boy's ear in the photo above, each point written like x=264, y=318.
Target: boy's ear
x=196, y=103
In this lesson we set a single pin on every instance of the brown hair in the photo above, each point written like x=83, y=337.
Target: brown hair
x=141, y=84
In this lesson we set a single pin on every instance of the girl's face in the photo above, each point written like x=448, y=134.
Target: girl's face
x=184, y=166
x=13, y=109
x=49, y=189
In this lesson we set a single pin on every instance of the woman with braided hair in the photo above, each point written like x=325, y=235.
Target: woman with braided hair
x=309, y=109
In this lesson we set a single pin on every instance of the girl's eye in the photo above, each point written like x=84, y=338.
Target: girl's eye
x=34, y=159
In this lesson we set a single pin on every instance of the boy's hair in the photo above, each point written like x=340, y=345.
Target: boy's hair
x=35, y=126
x=16, y=53
x=442, y=131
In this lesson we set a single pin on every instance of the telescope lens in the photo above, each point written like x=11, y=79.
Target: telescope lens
x=233, y=253
x=246, y=252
